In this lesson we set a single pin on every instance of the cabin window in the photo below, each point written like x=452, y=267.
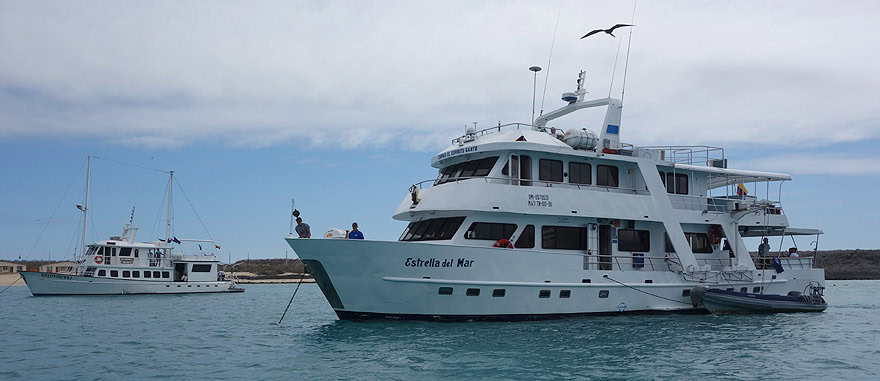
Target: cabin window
x=550, y=170
x=135, y=253
x=165, y=274
x=563, y=237
x=201, y=268
x=565, y=293
x=633, y=240
x=498, y=292
x=135, y=274
x=114, y=273
x=148, y=274
x=100, y=250
x=473, y=168
x=699, y=242
x=607, y=176
x=490, y=231
x=445, y=291
x=112, y=251
x=603, y=293
x=469, y=168
x=580, y=173
x=102, y=272
x=544, y=294
x=91, y=250
x=432, y=229
x=526, y=239
x=126, y=274
x=124, y=251
x=472, y=292
x=484, y=166
x=676, y=183
x=157, y=275
x=669, y=247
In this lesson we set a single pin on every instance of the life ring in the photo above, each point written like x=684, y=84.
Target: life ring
x=715, y=234
x=505, y=243
x=99, y=259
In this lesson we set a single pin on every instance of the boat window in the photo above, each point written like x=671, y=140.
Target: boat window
x=201, y=268
x=564, y=237
x=544, y=293
x=603, y=293
x=148, y=274
x=101, y=250
x=472, y=292
x=580, y=173
x=126, y=274
x=112, y=251
x=445, y=291
x=156, y=274
x=485, y=166
x=135, y=253
x=102, y=272
x=565, y=293
x=135, y=274
x=165, y=274
x=550, y=170
x=685, y=293
x=699, y=242
x=432, y=229
x=676, y=183
x=607, y=176
x=525, y=170
x=91, y=251
x=526, y=239
x=124, y=251
x=498, y=292
x=504, y=170
x=633, y=240
x=669, y=247
x=490, y=231
x=469, y=168
x=114, y=273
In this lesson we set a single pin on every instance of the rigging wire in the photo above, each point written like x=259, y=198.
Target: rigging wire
x=549, y=59
x=628, y=45
x=645, y=292
x=194, y=210
x=131, y=165
x=55, y=211
x=614, y=69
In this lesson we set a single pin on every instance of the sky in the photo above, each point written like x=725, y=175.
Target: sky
x=341, y=104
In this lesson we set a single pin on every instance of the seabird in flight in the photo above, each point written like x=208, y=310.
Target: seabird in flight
x=609, y=30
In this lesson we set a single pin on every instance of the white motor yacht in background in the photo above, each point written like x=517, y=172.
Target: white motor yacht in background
x=526, y=221
x=121, y=265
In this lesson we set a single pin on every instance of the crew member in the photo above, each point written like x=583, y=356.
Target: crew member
x=355, y=233
x=302, y=228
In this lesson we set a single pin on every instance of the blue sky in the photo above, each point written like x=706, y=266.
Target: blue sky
x=341, y=104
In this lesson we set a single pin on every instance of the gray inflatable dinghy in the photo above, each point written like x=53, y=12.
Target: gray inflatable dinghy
x=724, y=301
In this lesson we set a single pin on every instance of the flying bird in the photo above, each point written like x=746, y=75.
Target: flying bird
x=609, y=30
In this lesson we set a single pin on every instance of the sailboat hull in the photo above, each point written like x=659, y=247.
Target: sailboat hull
x=41, y=283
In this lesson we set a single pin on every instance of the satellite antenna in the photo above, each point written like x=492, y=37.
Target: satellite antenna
x=535, y=69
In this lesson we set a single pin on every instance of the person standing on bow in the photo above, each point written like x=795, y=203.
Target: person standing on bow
x=303, y=229
x=355, y=233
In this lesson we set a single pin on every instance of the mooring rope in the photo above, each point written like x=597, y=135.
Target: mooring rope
x=11, y=284
x=642, y=291
x=292, y=296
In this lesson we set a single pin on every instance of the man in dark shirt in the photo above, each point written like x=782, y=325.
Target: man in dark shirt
x=302, y=229
x=355, y=233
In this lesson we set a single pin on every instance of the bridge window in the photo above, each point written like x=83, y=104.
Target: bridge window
x=676, y=183
x=490, y=231
x=432, y=229
x=607, y=176
x=634, y=240
x=526, y=239
x=699, y=242
x=201, y=268
x=473, y=168
x=485, y=166
x=580, y=173
x=563, y=237
x=124, y=251
x=550, y=170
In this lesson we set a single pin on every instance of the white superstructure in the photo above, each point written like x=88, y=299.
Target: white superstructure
x=596, y=226
x=121, y=265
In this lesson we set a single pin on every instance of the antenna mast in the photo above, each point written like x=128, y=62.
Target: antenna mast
x=85, y=207
x=292, y=215
x=535, y=69
x=168, y=210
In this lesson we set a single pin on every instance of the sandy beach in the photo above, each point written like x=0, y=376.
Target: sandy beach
x=10, y=278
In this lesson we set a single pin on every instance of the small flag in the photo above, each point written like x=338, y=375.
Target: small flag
x=217, y=246
x=741, y=190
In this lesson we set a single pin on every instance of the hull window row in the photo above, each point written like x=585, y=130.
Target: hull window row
x=473, y=168
x=433, y=229
x=490, y=231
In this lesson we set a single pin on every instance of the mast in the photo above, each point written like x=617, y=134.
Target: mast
x=168, y=211
x=85, y=207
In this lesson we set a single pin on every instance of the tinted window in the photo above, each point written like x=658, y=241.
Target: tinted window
x=676, y=183
x=148, y=274
x=156, y=275
x=498, y=292
x=544, y=294
x=699, y=242
x=473, y=292
x=166, y=274
x=634, y=240
x=126, y=274
x=135, y=274
x=485, y=166
x=102, y=273
x=445, y=291
x=135, y=252
x=469, y=168
x=114, y=273
x=565, y=293
x=432, y=229
x=201, y=268
x=525, y=170
x=580, y=173
x=101, y=250
x=669, y=247
x=526, y=240
x=550, y=170
x=606, y=175
x=563, y=237
x=124, y=251
x=490, y=231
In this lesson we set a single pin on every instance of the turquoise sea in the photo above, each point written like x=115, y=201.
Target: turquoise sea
x=235, y=336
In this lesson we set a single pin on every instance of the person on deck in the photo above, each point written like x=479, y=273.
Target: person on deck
x=792, y=252
x=355, y=233
x=764, y=248
x=303, y=229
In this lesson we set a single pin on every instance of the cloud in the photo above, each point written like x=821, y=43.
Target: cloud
x=366, y=74
x=817, y=164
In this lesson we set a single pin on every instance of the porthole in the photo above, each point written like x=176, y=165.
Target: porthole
x=565, y=294
x=744, y=289
x=585, y=281
x=499, y=292
x=544, y=294
x=756, y=289
x=445, y=291
x=603, y=293
x=472, y=292
x=686, y=293
x=649, y=281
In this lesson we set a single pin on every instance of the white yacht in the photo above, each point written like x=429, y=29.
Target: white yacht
x=121, y=265
x=526, y=221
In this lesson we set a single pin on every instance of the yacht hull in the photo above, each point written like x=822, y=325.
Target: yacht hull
x=41, y=283
x=364, y=279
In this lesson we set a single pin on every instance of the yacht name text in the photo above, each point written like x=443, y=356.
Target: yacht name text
x=456, y=152
x=434, y=262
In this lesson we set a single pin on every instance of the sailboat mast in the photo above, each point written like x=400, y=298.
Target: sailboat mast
x=86, y=203
x=168, y=211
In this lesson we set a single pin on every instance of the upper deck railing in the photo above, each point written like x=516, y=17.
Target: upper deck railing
x=532, y=183
x=691, y=155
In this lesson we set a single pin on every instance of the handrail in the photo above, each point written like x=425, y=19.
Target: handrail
x=689, y=154
x=546, y=183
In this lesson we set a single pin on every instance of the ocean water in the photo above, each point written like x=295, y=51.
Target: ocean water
x=235, y=336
